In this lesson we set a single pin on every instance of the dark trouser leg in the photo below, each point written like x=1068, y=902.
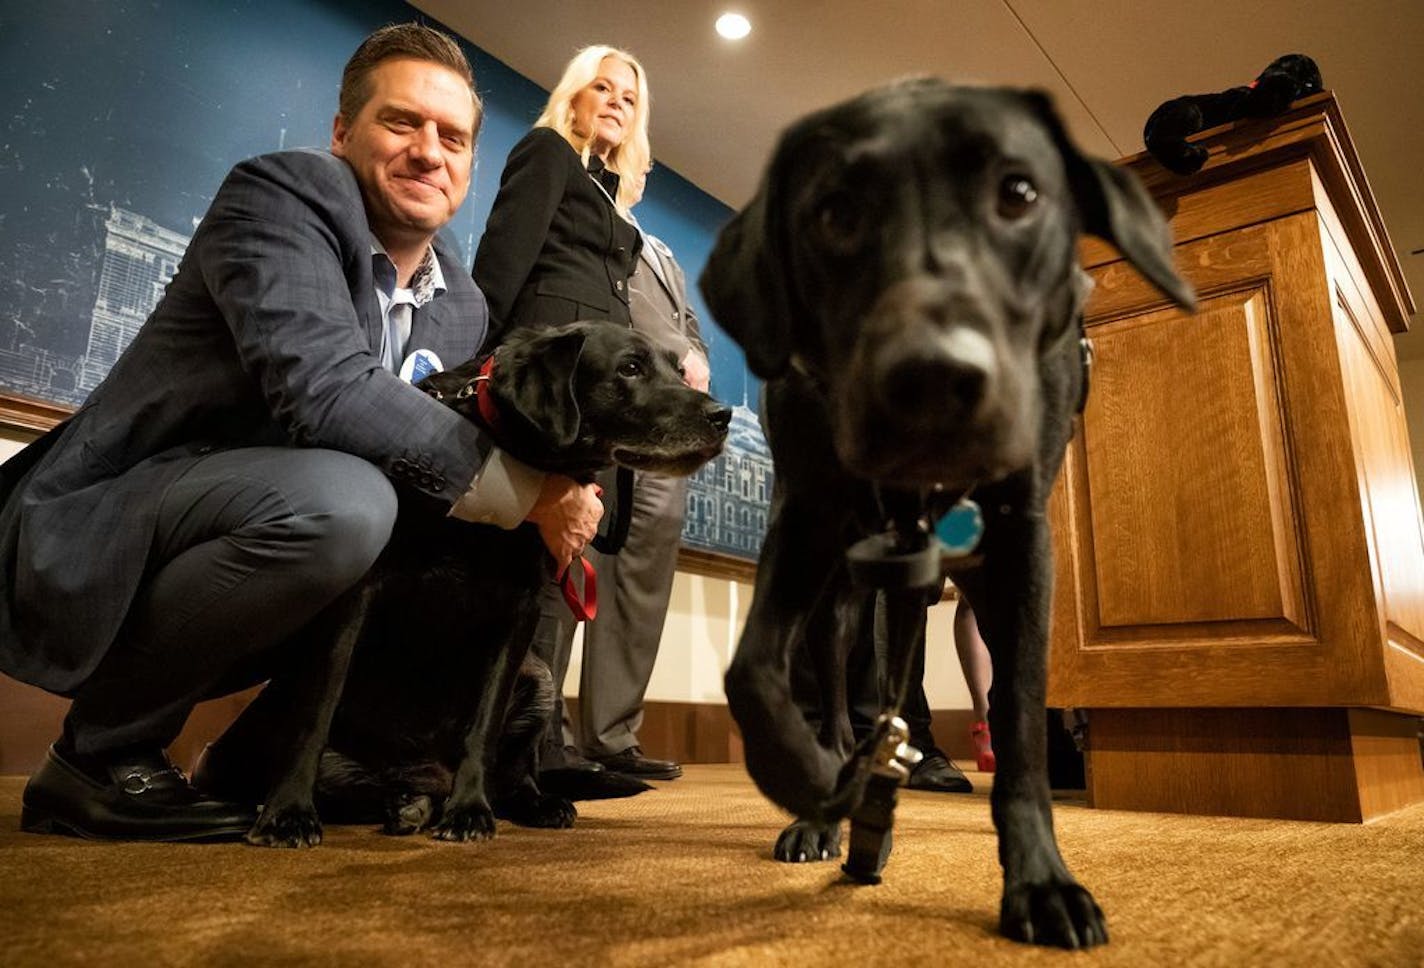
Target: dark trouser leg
x=935, y=772
x=563, y=772
x=917, y=706
x=249, y=545
x=621, y=644
x=553, y=642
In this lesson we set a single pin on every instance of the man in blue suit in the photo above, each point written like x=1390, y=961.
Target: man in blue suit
x=236, y=471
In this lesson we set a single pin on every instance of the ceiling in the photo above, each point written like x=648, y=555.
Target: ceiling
x=718, y=105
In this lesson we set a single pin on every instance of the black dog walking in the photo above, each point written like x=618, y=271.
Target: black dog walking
x=906, y=281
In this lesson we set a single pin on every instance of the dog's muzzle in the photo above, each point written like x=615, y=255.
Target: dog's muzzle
x=931, y=393
x=952, y=371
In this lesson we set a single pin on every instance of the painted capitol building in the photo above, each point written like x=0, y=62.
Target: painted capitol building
x=729, y=499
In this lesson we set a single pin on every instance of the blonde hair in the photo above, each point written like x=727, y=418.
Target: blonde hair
x=631, y=157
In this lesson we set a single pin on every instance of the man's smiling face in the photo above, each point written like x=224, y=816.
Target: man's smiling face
x=412, y=148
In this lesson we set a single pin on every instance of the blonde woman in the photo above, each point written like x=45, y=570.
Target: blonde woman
x=557, y=246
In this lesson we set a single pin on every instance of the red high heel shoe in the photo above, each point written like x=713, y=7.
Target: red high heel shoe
x=983, y=747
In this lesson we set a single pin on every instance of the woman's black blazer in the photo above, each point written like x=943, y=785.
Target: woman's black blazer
x=554, y=250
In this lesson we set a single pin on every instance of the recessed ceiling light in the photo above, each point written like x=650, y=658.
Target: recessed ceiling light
x=733, y=26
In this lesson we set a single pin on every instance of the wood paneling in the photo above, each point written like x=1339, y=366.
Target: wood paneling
x=1384, y=461
x=1212, y=208
x=1385, y=752
x=28, y=417
x=30, y=719
x=1213, y=462
x=687, y=732
x=1212, y=534
x=1237, y=523
x=1312, y=130
x=1336, y=765
x=691, y=732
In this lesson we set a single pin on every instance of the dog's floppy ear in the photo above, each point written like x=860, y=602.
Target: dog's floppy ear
x=1115, y=207
x=536, y=382
x=744, y=284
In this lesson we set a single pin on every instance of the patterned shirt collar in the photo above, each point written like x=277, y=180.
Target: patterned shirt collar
x=427, y=283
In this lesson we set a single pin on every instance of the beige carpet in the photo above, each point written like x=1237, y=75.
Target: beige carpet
x=682, y=875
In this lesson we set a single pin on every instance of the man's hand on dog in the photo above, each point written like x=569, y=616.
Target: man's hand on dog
x=567, y=515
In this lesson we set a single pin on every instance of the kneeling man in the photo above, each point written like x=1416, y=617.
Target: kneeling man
x=234, y=473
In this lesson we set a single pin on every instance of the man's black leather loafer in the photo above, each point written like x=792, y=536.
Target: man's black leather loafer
x=632, y=762
x=936, y=773
x=146, y=798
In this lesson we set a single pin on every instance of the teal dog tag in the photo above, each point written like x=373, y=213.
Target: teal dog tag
x=961, y=529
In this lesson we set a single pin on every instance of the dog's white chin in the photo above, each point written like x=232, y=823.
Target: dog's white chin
x=931, y=451
x=682, y=464
x=950, y=466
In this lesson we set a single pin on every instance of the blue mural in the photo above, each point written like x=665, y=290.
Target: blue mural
x=120, y=118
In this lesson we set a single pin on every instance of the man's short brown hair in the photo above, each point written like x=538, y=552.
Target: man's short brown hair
x=410, y=41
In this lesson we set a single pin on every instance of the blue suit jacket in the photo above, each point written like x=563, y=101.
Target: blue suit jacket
x=269, y=334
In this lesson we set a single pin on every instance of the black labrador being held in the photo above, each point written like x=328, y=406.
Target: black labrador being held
x=431, y=645
x=906, y=281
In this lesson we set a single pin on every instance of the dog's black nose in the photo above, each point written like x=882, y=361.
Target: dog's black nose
x=718, y=416
x=951, y=374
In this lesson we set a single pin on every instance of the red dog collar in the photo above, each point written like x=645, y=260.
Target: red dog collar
x=488, y=411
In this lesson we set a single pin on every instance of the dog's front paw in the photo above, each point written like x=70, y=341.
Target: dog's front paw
x=807, y=840
x=408, y=815
x=466, y=822
x=1056, y=912
x=294, y=825
x=537, y=810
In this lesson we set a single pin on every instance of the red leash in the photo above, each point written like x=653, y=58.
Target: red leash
x=585, y=609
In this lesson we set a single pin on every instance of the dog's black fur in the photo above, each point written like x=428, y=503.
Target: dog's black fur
x=438, y=632
x=906, y=280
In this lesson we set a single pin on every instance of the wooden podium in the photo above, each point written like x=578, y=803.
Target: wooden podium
x=1239, y=597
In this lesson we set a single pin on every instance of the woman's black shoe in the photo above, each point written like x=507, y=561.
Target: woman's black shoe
x=145, y=798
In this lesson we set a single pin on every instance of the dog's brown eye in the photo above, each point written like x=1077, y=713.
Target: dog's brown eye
x=630, y=368
x=1016, y=196
x=838, y=217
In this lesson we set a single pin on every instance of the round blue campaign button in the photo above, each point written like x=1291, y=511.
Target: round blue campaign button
x=419, y=365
